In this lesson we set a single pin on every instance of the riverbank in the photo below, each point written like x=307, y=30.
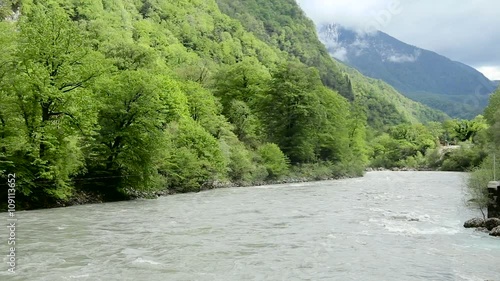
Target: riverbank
x=83, y=197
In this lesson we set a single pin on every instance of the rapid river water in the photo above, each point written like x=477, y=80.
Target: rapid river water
x=385, y=226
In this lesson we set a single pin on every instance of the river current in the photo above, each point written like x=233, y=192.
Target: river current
x=384, y=226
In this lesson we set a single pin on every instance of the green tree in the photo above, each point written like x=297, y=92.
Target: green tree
x=49, y=83
x=196, y=158
x=493, y=107
x=274, y=160
x=247, y=126
x=245, y=81
x=292, y=111
x=477, y=185
x=333, y=131
x=492, y=116
x=136, y=106
x=357, y=134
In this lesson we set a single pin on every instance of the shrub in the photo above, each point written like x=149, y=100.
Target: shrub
x=274, y=160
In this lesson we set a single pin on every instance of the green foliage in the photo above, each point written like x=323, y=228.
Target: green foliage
x=357, y=152
x=204, y=108
x=453, y=105
x=283, y=25
x=245, y=81
x=274, y=160
x=305, y=119
x=427, y=147
x=48, y=101
x=477, y=185
x=194, y=159
x=492, y=115
x=385, y=106
x=124, y=96
x=463, y=159
x=8, y=8
x=417, y=161
x=135, y=107
x=493, y=107
x=478, y=181
x=404, y=146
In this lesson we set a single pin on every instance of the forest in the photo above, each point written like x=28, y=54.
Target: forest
x=103, y=100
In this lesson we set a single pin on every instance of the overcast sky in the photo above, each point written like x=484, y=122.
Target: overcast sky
x=463, y=30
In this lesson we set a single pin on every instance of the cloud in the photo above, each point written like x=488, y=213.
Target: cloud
x=340, y=53
x=492, y=72
x=465, y=31
x=402, y=58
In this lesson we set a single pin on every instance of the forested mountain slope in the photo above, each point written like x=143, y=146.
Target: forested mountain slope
x=107, y=98
x=422, y=75
x=284, y=25
x=386, y=105
x=110, y=97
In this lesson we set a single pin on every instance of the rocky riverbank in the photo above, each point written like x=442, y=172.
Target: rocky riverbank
x=491, y=225
x=134, y=194
x=87, y=197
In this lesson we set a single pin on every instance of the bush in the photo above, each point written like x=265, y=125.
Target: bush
x=313, y=171
x=477, y=185
x=273, y=159
x=433, y=158
x=463, y=159
x=418, y=161
x=241, y=167
x=195, y=158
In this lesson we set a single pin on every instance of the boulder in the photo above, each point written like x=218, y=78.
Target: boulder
x=482, y=229
x=475, y=222
x=495, y=231
x=492, y=223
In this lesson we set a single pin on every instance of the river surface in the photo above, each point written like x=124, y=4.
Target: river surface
x=385, y=226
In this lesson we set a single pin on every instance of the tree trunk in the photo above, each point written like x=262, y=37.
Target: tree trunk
x=45, y=119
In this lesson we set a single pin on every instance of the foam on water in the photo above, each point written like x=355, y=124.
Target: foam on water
x=141, y=260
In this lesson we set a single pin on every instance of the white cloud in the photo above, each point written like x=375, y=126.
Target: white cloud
x=365, y=14
x=340, y=53
x=402, y=58
x=360, y=43
x=492, y=72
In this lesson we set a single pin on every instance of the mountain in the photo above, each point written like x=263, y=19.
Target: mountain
x=108, y=98
x=282, y=24
x=497, y=82
x=422, y=75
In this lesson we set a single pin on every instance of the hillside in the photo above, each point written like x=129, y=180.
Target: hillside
x=295, y=34
x=381, y=98
x=424, y=76
x=103, y=100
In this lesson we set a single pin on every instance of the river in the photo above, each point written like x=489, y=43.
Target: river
x=385, y=226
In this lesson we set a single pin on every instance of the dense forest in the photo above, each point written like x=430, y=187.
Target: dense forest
x=107, y=99
x=283, y=25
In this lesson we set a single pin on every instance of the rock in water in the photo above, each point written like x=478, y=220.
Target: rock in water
x=492, y=223
x=482, y=229
x=495, y=231
x=475, y=222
